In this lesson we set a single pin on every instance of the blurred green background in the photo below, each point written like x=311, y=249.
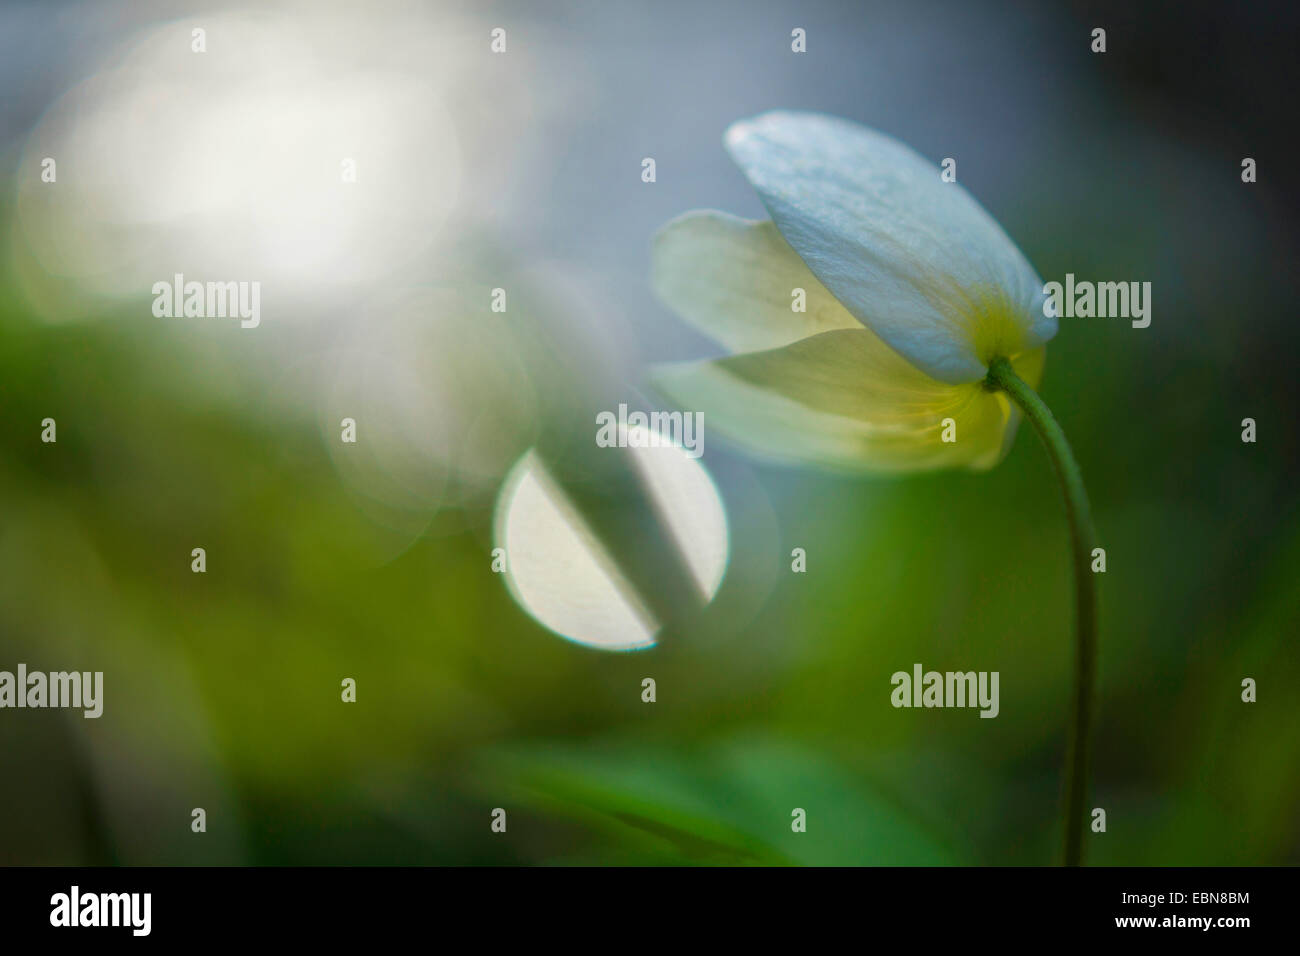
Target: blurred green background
x=222, y=689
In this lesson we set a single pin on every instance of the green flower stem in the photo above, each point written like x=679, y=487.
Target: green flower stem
x=1083, y=538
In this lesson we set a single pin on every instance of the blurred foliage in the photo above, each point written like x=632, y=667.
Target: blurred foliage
x=222, y=689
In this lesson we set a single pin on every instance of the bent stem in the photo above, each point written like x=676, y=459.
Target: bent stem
x=1082, y=541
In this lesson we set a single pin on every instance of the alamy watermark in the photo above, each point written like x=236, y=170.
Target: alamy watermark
x=213, y=300
x=1104, y=300
x=639, y=429
x=949, y=689
x=75, y=909
x=55, y=689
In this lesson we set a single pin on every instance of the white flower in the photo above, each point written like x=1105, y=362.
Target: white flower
x=912, y=290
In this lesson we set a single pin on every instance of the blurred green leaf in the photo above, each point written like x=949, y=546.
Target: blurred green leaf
x=722, y=803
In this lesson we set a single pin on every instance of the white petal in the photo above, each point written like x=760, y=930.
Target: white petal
x=734, y=280
x=845, y=400
x=914, y=258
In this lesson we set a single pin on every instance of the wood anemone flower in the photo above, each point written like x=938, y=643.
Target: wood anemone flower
x=910, y=291
x=882, y=321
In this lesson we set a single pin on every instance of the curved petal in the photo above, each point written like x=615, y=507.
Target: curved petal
x=844, y=399
x=916, y=259
x=733, y=280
